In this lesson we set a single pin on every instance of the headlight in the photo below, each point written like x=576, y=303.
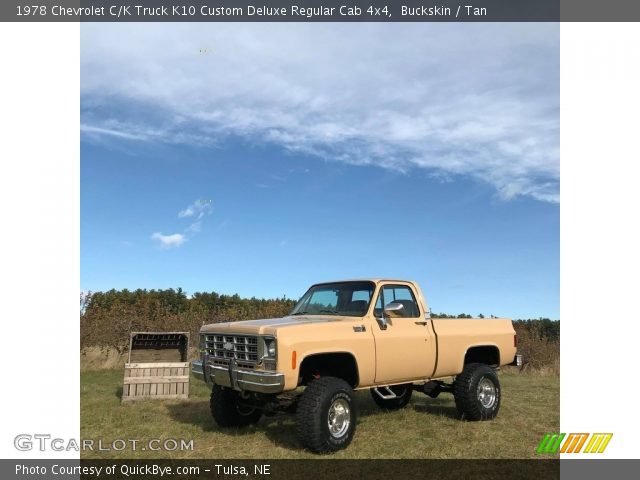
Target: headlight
x=270, y=347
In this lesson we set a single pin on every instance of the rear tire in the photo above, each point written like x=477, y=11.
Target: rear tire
x=326, y=415
x=477, y=392
x=403, y=393
x=227, y=410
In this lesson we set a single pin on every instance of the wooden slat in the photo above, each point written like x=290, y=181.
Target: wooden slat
x=170, y=380
x=159, y=355
x=157, y=365
x=158, y=397
x=165, y=380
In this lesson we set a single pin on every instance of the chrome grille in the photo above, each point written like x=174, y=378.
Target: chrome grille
x=225, y=364
x=242, y=348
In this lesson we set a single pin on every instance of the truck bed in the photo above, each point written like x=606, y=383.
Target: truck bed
x=456, y=335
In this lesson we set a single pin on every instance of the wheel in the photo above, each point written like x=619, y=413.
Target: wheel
x=228, y=412
x=403, y=393
x=326, y=415
x=477, y=392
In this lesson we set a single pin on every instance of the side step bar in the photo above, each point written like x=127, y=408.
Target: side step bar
x=387, y=395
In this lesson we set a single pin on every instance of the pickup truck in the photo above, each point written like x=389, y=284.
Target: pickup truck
x=351, y=335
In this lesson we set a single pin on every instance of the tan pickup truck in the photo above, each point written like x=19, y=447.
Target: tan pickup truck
x=345, y=336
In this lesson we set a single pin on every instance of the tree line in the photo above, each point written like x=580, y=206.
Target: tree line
x=107, y=318
x=544, y=328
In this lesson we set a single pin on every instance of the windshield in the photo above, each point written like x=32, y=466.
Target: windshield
x=350, y=299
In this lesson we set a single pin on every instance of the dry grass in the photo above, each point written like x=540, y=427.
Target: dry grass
x=427, y=428
x=540, y=353
x=102, y=358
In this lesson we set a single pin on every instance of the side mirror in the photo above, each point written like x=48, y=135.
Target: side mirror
x=393, y=309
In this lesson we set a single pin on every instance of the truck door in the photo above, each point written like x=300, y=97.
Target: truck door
x=405, y=348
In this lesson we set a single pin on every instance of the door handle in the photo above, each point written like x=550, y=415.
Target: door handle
x=421, y=323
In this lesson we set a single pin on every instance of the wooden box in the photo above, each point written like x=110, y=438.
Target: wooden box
x=157, y=366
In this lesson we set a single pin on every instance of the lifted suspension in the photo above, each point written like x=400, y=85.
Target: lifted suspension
x=270, y=404
x=433, y=388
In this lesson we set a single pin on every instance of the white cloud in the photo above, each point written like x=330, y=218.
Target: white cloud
x=168, y=241
x=187, y=212
x=478, y=100
x=198, y=209
x=194, y=228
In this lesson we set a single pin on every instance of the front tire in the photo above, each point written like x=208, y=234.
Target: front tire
x=326, y=415
x=227, y=410
x=477, y=392
x=403, y=393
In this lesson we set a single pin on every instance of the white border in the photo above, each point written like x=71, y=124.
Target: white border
x=40, y=240
x=600, y=238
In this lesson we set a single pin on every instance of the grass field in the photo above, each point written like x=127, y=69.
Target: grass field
x=426, y=428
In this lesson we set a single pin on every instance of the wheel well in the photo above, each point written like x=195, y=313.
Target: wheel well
x=488, y=354
x=340, y=364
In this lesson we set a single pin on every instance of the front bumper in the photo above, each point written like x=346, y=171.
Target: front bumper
x=238, y=378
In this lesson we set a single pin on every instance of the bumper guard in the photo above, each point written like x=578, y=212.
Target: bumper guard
x=239, y=379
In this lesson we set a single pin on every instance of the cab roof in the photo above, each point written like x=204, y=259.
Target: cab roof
x=374, y=280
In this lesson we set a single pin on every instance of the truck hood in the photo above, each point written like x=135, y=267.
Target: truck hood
x=267, y=325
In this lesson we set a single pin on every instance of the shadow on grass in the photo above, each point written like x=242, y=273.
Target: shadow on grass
x=119, y=393
x=435, y=406
x=280, y=428
x=193, y=412
x=441, y=406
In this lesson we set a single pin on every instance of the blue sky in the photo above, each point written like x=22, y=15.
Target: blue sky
x=258, y=159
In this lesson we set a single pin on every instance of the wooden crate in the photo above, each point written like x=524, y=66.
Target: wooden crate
x=155, y=380
x=157, y=366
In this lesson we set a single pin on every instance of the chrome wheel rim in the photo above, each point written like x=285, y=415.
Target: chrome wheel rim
x=486, y=393
x=339, y=418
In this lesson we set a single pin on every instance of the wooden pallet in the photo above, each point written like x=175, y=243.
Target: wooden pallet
x=155, y=381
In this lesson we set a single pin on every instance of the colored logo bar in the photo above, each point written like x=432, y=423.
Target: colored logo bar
x=553, y=443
